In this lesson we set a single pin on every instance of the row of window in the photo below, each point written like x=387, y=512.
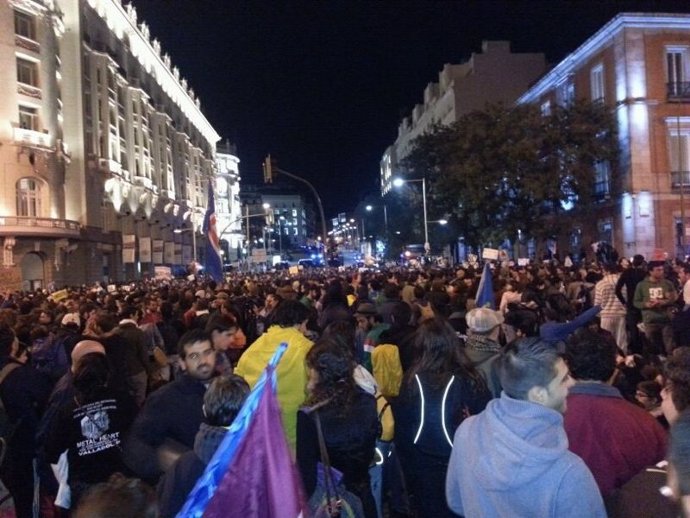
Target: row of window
x=677, y=61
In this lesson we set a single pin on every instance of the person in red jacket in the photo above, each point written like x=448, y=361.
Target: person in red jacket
x=614, y=437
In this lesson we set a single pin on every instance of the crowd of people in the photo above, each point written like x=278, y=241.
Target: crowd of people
x=568, y=399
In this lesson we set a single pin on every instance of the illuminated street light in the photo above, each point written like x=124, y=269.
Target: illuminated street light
x=398, y=182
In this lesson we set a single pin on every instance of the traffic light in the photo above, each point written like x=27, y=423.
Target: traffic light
x=269, y=167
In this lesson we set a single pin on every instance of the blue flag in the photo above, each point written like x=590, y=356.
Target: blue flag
x=213, y=264
x=485, y=291
x=235, y=451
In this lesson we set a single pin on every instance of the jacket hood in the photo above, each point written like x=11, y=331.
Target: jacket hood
x=518, y=441
x=207, y=440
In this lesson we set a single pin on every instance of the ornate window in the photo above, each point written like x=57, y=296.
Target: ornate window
x=28, y=118
x=596, y=83
x=28, y=197
x=24, y=25
x=27, y=72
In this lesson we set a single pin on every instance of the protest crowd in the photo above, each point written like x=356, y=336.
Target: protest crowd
x=492, y=390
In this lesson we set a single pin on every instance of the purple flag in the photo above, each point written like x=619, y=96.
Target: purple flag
x=261, y=481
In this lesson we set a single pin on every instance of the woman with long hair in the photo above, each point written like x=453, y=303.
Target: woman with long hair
x=348, y=418
x=438, y=392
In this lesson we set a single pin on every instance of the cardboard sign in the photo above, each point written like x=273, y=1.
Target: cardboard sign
x=162, y=272
x=59, y=295
x=490, y=253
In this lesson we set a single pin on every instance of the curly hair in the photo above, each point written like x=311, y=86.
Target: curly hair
x=334, y=369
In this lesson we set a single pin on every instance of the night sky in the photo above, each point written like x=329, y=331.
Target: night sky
x=323, y=85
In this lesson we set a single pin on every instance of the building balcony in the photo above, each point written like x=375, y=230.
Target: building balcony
x=678, y=91
x=27, y=44
x=680, y=176
x=112, y=166
x=143, y=181
x=32, y=138
x=40, y=227
x=28, y=90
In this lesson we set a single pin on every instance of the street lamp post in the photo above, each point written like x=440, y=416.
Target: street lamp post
x=280, y=236
x=369, y=208
x=398, y=182
x=247, y=217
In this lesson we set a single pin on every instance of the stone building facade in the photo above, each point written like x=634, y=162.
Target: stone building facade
x=496, y=75
x=104, y=148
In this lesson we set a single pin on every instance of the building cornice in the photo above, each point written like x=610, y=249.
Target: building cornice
x=122, y=21
x=595, y=43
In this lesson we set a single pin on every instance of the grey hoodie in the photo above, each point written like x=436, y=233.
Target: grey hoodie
x=513, y=460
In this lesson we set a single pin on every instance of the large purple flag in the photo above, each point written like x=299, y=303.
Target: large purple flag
x=262, y=480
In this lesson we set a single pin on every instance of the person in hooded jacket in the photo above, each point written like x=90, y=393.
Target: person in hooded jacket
x=513, y=459
x=222, y=402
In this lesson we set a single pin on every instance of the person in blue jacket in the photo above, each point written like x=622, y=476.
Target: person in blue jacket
x=513, y=459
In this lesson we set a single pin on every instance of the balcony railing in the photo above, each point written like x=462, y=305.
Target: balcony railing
x=29, y=90
x=680, y=176
x=678, y=91
x=27, y=43
x=32, y=138
x=27, y=225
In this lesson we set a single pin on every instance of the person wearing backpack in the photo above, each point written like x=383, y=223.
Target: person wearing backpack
x=349, y=420
x=48, y=354
x=23, y=392
x=437, y=394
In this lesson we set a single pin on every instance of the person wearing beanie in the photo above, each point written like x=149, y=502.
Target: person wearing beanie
x=482, y=345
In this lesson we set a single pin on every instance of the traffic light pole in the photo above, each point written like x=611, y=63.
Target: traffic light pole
x=324, y=236
x=270, y=168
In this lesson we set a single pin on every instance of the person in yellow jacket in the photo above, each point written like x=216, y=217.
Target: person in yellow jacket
x=289, y=324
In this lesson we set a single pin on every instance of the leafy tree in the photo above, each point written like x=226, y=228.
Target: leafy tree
x=503, y=169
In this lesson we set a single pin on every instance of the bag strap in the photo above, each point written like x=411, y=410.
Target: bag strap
x=334, y=507
x=7, y=369
x=384, y=407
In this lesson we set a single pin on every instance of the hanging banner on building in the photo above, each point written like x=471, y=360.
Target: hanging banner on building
x=145, y=249
x=128, y=248
x=169, y=252
x=178, y=253
x=157, y=256
x=186, y=254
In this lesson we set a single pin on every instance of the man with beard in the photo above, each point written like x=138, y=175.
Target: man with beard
x=171, y=415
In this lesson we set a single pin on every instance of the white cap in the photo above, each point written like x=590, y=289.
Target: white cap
x=483, y=320
x=71, y=318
